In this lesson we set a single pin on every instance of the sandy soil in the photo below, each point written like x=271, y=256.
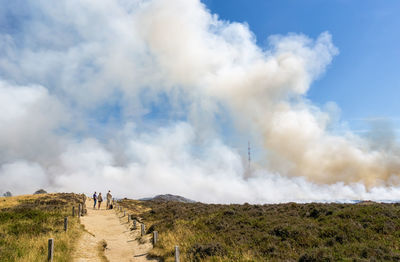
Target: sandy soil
x=112, y=227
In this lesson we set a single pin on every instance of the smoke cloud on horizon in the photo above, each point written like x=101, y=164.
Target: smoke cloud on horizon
x=150, y=97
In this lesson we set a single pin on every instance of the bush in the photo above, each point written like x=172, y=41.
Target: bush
x=7, y=194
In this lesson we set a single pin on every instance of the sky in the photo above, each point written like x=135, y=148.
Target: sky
x=146, y=97
x=364, y=78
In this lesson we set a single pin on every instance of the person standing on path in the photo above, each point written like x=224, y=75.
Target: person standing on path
x=109, y=197
x=94, y=199
x=100, y=199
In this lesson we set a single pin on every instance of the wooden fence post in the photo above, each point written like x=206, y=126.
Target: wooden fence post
x=155, y=237
x=176, y=254
x=50, y=250
x=129, y=218
x=143, y=229
x=134, y=224
x=79, y=210
x=73, y=211
x=65, y=224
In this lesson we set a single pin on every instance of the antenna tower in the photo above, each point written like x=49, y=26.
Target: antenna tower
x=249, y=153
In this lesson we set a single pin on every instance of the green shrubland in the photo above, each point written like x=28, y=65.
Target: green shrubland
x=281, y=232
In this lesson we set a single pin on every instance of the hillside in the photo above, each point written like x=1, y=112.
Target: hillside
x=366, y=231
x=27, y=222
x=289, y=232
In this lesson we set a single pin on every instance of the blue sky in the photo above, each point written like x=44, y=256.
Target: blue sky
x=364, y=78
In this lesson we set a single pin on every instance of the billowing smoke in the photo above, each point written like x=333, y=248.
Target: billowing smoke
x=160, y=96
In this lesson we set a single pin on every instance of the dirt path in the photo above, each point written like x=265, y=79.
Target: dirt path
x=113, y=228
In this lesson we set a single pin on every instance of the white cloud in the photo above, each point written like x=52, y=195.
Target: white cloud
x=74, y=65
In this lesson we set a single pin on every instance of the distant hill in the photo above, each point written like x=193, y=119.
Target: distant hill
x=169, y=198
x=40, y=191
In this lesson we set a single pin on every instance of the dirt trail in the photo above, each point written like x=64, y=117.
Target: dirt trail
x=113, y=228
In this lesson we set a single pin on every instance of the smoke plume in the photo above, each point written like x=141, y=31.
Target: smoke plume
x=149, y=97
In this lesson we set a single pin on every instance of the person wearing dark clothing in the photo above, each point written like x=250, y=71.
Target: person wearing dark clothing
x=94, y=200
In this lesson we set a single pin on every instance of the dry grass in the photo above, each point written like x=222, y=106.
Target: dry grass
x=7, y=202
x=27, y=222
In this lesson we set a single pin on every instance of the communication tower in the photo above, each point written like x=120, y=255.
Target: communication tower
x=249, y=153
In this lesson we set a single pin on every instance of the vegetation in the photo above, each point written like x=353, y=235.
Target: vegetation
x=27, y=222
x=289, y=232
x=7, y=194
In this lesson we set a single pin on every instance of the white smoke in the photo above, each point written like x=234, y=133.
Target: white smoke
x=148, y=97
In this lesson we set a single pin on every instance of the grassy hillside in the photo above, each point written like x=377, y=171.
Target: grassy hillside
x=289, y=232
x=27, y=222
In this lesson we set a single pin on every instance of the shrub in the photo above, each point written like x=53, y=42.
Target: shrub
x=7, y=194
x=288, y=232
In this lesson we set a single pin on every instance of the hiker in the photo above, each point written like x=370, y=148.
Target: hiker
x=109, y=197
x=94, y=199
x=100, y=199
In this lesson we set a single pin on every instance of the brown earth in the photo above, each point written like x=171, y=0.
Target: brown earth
x=112, y=227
